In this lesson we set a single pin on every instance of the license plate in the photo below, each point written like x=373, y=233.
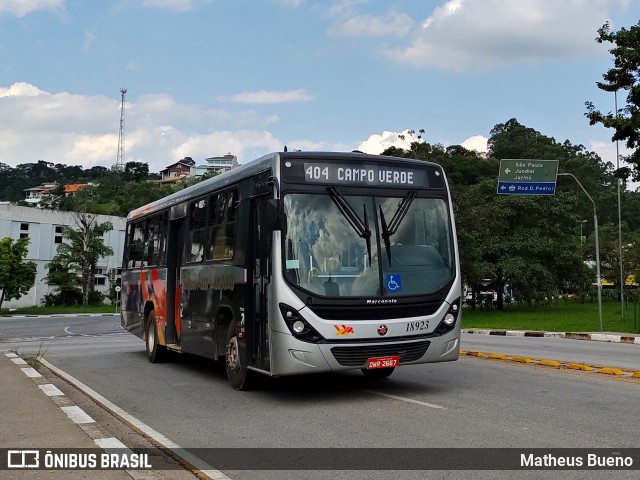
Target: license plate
x=383, y=362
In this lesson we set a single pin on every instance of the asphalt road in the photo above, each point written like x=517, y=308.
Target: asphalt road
x=470, y=403
x=605, y=354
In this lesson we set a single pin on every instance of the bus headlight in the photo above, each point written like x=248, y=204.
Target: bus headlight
x=299, y=327
x=450, y=318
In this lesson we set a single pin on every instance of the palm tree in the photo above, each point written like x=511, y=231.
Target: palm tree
x=84, y=248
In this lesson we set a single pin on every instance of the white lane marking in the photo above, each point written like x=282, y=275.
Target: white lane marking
x=51, y=390
x=108, y=443
x=196, y=462
x=66, y=330
x=404, y=399
x=31, y=372
x=19, y=361
x=77, y=415
x=11, y=355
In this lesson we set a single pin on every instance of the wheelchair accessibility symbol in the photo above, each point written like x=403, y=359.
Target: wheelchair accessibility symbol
x=393, y=282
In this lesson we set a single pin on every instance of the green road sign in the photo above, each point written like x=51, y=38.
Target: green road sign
x=527, y=177
x=523, y=170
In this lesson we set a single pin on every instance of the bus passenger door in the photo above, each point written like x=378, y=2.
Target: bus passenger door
x=174, y=252
x=258, y=328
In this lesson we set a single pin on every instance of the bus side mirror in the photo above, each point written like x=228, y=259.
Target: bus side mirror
x=276, y=219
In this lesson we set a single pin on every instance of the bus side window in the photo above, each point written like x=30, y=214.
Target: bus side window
x=136, y=246
x=153, y=243
x=222, y=226
x=197, y=231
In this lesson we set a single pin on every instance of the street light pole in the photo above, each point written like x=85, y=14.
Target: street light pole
x=615, y=93
x=595, y=225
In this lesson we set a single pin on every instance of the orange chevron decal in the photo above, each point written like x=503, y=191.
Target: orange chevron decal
x=343, y=330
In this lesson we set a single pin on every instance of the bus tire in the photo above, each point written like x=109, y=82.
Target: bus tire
x=155, y=352
x=377, y=373
x=239, y=377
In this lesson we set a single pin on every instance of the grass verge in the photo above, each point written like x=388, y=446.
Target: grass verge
x=557, y=317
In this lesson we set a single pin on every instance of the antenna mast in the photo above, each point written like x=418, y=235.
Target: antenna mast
x=120, y=157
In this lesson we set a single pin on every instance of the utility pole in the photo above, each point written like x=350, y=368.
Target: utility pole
x=622, y=279
x=120, y=156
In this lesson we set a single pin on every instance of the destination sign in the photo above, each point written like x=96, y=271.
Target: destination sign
x=365, y=174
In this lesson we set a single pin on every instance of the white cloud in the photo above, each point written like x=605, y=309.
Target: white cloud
x=394, y=23
x=83, y=130
x=376, y=144
x=469, y=34
x=241, y=143
x=607, y=151
x=477, y=143
x=20, y=89
x=20, y=8
x=269, y=97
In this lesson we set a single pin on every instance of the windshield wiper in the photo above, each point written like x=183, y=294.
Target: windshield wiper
x=360, y=226
x=396, y=220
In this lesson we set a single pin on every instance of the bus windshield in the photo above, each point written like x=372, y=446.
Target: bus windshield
x=355, y=246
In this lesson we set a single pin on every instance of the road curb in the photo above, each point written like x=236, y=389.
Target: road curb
x=614, y=371
x=598, y=337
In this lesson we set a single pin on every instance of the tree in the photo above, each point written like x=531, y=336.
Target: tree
x=511, y=239
x=16, y=276
x=624, y=75
x=115, y=196
x=135, y=172
x=84, y=249
x=61, y=275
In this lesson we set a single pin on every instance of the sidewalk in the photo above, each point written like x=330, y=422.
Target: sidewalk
x=30, y=418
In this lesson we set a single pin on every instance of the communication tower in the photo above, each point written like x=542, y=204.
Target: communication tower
x=120, y=157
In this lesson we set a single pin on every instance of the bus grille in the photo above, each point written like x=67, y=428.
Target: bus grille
x=357, y=356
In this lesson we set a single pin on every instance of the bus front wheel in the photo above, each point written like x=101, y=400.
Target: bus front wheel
x=239, y=377
x=155, y=351
x=377, y=373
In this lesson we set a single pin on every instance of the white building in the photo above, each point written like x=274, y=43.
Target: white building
x=219, y=165
x=44, y=230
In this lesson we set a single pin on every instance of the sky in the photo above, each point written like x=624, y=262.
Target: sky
x=206, y=78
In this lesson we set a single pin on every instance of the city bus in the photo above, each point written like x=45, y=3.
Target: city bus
x=296, y=263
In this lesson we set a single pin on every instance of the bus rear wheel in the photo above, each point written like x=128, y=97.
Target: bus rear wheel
x=377, y=373
x=239, y=377
x=155, y=352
